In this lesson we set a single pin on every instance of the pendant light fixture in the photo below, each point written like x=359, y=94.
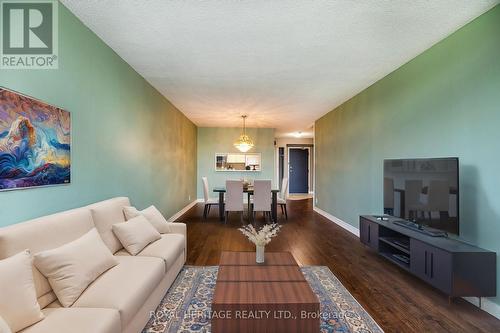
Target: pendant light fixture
x=244, y=143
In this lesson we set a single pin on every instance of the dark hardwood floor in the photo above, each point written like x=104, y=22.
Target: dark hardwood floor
x=396, y=300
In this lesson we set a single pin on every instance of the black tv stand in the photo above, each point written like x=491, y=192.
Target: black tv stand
x=419, y=228
x=454, y=267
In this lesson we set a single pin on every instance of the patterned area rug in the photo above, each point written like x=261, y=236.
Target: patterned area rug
x=186, y=306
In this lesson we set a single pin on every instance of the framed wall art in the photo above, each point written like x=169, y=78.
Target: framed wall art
x=35, y=142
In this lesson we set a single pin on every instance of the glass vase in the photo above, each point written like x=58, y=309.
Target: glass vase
x=259, y=254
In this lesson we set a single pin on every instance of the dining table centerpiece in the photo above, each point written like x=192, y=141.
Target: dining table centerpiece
x=260, y=238
x=246, y=184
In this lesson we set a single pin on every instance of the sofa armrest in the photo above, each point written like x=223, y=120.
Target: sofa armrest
x=180, y=228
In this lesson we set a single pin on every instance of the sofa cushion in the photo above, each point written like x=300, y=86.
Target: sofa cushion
x=153, y=215
x=136, y=234
x=180, y=228
x=124, y=287
x=77, y=320
x=4, y=328
x=168, y=248
x=42, y=234
x=73, y=266
x=18, y=304
x=105, y=214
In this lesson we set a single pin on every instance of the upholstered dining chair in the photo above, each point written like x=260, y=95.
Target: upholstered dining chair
x=282, y=197
x=438, y=197
x=437, y=201
x=206, y=197
x=261, y=201
x=389, y=196
x=413, y=203
x=234, y=198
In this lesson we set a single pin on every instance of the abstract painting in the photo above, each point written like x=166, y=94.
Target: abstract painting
x=35, y=142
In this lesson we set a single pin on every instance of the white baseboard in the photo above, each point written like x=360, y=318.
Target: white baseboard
x=486, y=304
x=352, y=229
x=183, y=210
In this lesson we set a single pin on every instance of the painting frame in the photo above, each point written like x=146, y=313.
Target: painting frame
x=69, y=179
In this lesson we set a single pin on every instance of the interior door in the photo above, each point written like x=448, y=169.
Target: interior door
x=299, y=170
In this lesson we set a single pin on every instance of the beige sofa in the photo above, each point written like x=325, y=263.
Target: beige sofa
x=121, y=299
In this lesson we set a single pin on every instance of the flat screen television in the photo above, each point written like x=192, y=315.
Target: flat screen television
x=425, y=191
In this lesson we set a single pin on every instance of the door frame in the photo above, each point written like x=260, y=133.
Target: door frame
x=303, y=147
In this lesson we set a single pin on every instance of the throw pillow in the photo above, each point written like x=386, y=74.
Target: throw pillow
x=136, y=234
x=19, y=307
x=152, y=214
x=72, y=267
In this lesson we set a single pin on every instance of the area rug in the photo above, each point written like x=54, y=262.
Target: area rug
x=186, y=306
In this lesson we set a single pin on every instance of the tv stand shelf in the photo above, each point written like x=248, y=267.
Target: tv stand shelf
x=454, y=267
x=400, y=263
x=396, y=243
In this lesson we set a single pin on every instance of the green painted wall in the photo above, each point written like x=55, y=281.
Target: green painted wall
x=127, y=138
x=213, y=140
x=445, y=102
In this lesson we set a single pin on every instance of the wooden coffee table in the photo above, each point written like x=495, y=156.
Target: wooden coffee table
x=270, y=297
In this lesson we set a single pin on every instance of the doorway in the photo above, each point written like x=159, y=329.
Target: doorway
x=298, y=169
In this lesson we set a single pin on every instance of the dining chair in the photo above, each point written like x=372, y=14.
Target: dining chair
x=438, y=197
x=234, y=198
x=206, y=197
x=413, y=202
x=261, y=201
x=389, y=196
x=282, y=197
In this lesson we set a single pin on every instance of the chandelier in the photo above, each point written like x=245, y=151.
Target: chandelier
x=244, y=143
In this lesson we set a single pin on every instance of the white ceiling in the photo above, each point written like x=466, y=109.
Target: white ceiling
x=284, y=63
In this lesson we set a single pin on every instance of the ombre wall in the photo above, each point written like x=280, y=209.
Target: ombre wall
x=127, y=139
x=445, y=102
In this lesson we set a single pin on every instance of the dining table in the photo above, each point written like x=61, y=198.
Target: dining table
x=249, y=191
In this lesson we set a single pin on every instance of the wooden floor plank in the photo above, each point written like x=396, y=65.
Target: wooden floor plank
x=398, y=301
